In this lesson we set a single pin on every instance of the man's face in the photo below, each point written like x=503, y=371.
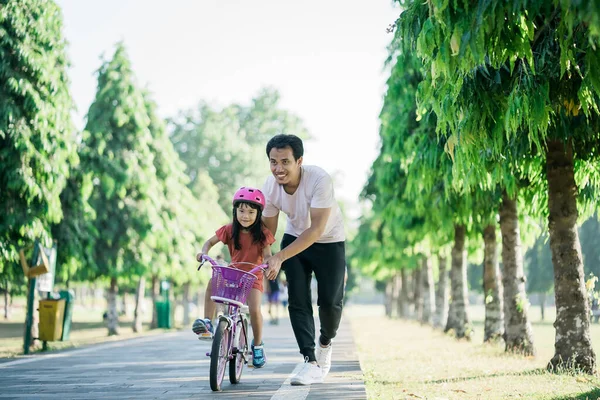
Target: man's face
x=285, y=169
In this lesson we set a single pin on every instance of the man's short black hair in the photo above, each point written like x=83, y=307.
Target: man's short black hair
x=282, y=141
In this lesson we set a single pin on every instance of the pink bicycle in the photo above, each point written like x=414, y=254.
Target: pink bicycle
x=230, y=286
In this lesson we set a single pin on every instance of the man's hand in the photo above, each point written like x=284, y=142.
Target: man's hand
x=274, y=263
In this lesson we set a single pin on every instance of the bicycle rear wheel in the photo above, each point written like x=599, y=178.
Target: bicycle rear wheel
x=219, y=356
x=236, y=366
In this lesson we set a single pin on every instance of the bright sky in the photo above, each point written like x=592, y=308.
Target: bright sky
x=324, y=56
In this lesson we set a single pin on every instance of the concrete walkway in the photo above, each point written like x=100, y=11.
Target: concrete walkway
x=174, y=366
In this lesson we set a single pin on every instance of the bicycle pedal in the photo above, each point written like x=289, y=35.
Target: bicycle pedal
x=205, y=336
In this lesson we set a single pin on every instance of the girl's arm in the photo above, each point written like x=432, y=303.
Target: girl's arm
x=267, y=251
x=207, y=246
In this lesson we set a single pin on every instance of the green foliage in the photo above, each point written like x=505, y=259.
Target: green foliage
x=116, y=153
x=504, y=77
x=229, y=144
x=187, y=220
x=538, y=266
x=36, y=132
x=75, y=234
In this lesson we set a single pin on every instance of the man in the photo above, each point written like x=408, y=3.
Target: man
x=314, y=241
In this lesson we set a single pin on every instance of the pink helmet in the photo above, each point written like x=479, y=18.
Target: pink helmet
x=250, y=195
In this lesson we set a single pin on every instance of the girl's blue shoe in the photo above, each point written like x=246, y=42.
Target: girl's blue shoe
x=259, y=359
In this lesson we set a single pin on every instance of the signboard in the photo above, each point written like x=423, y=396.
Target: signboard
x=45, y=282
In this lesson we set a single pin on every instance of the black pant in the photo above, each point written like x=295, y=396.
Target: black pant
x=328, y=262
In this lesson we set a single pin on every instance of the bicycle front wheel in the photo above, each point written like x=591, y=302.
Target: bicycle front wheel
x=236, y=366
x=219, y=356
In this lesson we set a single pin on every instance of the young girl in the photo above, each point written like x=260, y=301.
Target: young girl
x=250, y=241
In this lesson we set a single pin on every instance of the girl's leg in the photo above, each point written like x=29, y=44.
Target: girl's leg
x=209, y=305
x=256, y=318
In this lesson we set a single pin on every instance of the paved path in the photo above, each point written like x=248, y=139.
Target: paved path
x=174, y=366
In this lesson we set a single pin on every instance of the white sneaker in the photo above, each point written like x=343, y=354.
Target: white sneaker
x=309, y=374
x=324, y=358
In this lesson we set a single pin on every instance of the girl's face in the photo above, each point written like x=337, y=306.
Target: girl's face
x=245, y=215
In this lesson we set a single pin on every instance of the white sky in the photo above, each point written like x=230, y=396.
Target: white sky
x=324, y=56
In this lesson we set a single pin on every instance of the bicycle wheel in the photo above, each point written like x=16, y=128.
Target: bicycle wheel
x=236, y=366
x=219, y=356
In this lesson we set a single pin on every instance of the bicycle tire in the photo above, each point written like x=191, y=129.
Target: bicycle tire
x=236, y=366
x=219, y=356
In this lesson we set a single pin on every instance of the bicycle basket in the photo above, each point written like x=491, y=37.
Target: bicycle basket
x=231, y=283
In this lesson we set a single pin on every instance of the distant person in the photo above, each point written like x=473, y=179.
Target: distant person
x=249, y=241
x=314, y=241
x=284, y=294
x=273, y=296
x=595, y=310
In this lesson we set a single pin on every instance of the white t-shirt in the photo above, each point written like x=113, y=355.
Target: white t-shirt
x=315, y=191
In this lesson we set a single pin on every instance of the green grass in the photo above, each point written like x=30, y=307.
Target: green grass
x=404, y=360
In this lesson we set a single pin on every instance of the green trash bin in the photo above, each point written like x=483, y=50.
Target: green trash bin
x=69, y=296
x=163, y=314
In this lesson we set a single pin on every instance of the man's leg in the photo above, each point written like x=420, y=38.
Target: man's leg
x=298, y=276
x=328, y=260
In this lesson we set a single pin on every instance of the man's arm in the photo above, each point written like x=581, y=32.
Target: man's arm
x=318, y=218
x=271, y=223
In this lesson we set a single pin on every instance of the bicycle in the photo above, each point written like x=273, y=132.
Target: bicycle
x=230, y=286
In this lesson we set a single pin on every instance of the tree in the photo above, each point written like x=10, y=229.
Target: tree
x=229, y=144
x=188, y=219
x=116, y=153
x=500, y=75
x=36, y=132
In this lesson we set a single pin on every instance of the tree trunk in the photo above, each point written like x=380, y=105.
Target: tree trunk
x=124, y=303
x=112, y=318
x=441, y=295
x=397, y=295
x=417, y=293
x=543, y=305
x=427, y=291
x=572, y=345
x=94, y=295
x=518, y=334
x=186, y=304
x=492, y=288
x=138, y=313
x=155, y=293
x=404, y=298
x=389, y=297
x=458, y=319
x=7, y=300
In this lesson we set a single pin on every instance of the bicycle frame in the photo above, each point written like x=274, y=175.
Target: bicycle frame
x=233, y=318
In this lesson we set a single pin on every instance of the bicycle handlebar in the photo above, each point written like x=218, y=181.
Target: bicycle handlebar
x=216, y=264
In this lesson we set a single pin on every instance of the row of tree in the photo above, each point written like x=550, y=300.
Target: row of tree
x=490, y=123
x=131, y=197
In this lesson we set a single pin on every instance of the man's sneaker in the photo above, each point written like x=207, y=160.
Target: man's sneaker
x=309, y=373
x=324, y=359
x=259, y=359
x=203, y=328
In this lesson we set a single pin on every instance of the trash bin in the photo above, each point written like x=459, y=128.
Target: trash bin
x=163, y=314
x=51, y=319
x=68, y=296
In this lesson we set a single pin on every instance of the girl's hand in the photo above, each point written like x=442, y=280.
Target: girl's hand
x=199, y=257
